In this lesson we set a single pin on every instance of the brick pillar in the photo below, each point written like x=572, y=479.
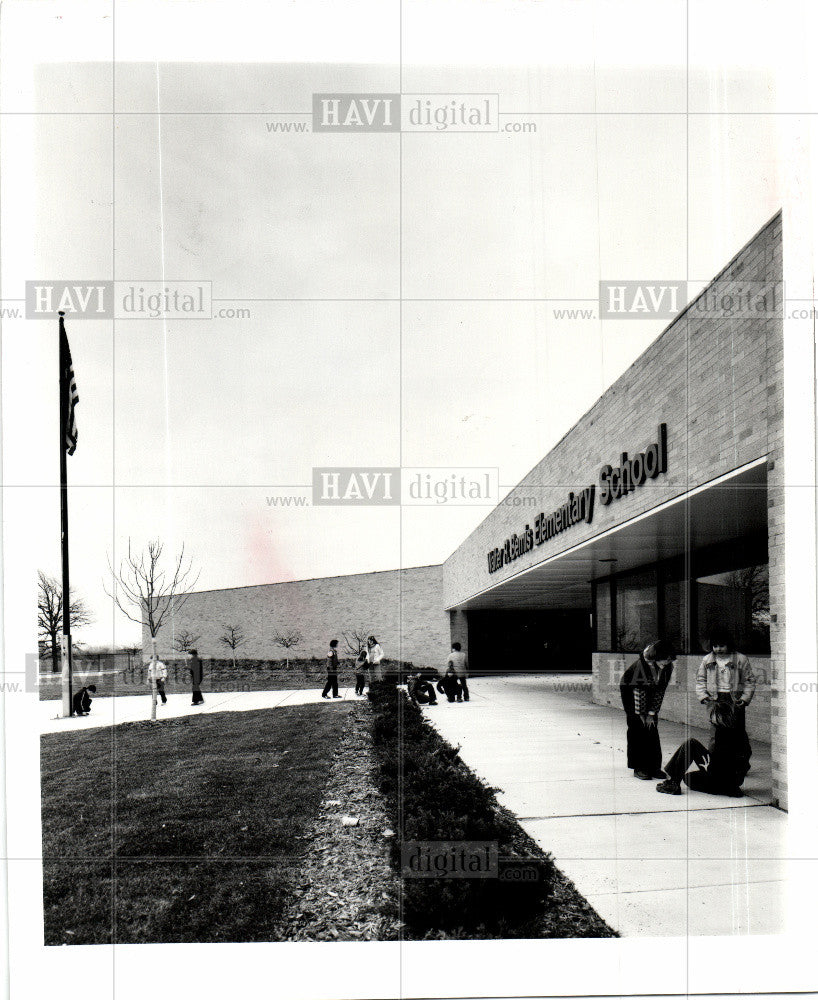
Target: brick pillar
x=778, y=666
x=459, y=628
x=776, y=495
x=791, y=433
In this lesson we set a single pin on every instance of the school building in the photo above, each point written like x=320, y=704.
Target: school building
x=661, y=512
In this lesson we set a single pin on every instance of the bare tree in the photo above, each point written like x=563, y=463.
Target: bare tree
x=134, y=652
x=186, y=640
x=288, y=639
x=49, y=616
x=145, y=592
x=233, y=637
x=755, y=581
x=355, y=639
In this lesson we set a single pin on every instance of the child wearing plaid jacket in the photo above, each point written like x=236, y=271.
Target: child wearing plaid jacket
x=642, y=689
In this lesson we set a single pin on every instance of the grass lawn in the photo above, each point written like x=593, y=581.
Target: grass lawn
x=189, y=829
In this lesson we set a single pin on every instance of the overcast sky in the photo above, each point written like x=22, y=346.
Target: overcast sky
x=188, y=427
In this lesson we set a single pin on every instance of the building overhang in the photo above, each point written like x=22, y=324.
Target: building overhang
x=728, y=509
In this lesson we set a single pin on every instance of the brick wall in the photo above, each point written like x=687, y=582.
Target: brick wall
x=403, y=608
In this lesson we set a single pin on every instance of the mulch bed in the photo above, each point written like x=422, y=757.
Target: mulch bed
x=347, y=890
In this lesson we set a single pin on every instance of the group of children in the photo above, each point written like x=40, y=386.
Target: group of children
x=725, y=685
x=454, y=683
x=367, y=661
x=421, y=684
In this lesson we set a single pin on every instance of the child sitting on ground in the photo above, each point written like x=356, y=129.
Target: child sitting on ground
x=421, y=692
x=449, y=684
x=722, y=768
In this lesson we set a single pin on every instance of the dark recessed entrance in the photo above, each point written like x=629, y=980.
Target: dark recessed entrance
x=525, y=641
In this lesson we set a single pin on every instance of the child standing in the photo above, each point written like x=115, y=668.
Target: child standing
x=159, y=672
x=360, y=672
x=642, y=689
x=457, y=659
x=374, y=656
x=332, y=671
x=725, y=677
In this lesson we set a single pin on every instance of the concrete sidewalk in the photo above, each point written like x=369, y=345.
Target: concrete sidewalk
x=649, y=864
x=137, y=708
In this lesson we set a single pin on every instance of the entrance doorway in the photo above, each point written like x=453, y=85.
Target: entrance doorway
x=530, y=641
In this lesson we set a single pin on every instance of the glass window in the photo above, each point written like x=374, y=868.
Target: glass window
x=738, y=600
x=636, y=611
x=674, y=624
x=602, y=619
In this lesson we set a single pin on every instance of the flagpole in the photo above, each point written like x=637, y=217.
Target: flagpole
x=65, y=644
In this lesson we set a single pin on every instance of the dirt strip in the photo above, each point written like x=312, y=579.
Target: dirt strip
x=346, y=889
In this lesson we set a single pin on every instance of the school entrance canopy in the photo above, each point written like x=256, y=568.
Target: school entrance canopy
x=730, y=509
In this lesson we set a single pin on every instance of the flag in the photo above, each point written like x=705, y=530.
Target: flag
x=71, y=395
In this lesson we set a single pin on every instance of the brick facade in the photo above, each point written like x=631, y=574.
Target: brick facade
x=403, y=608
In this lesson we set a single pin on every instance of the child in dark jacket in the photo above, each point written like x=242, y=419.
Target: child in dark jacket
x=81, y=702
x=360, y=672
x=722, y=767
x=642, y=689
x=449, y=684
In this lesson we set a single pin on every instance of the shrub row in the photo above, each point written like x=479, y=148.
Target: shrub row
x=315, y=666
x=433, y=796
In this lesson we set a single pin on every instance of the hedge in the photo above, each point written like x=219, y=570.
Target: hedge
x=433, y=796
